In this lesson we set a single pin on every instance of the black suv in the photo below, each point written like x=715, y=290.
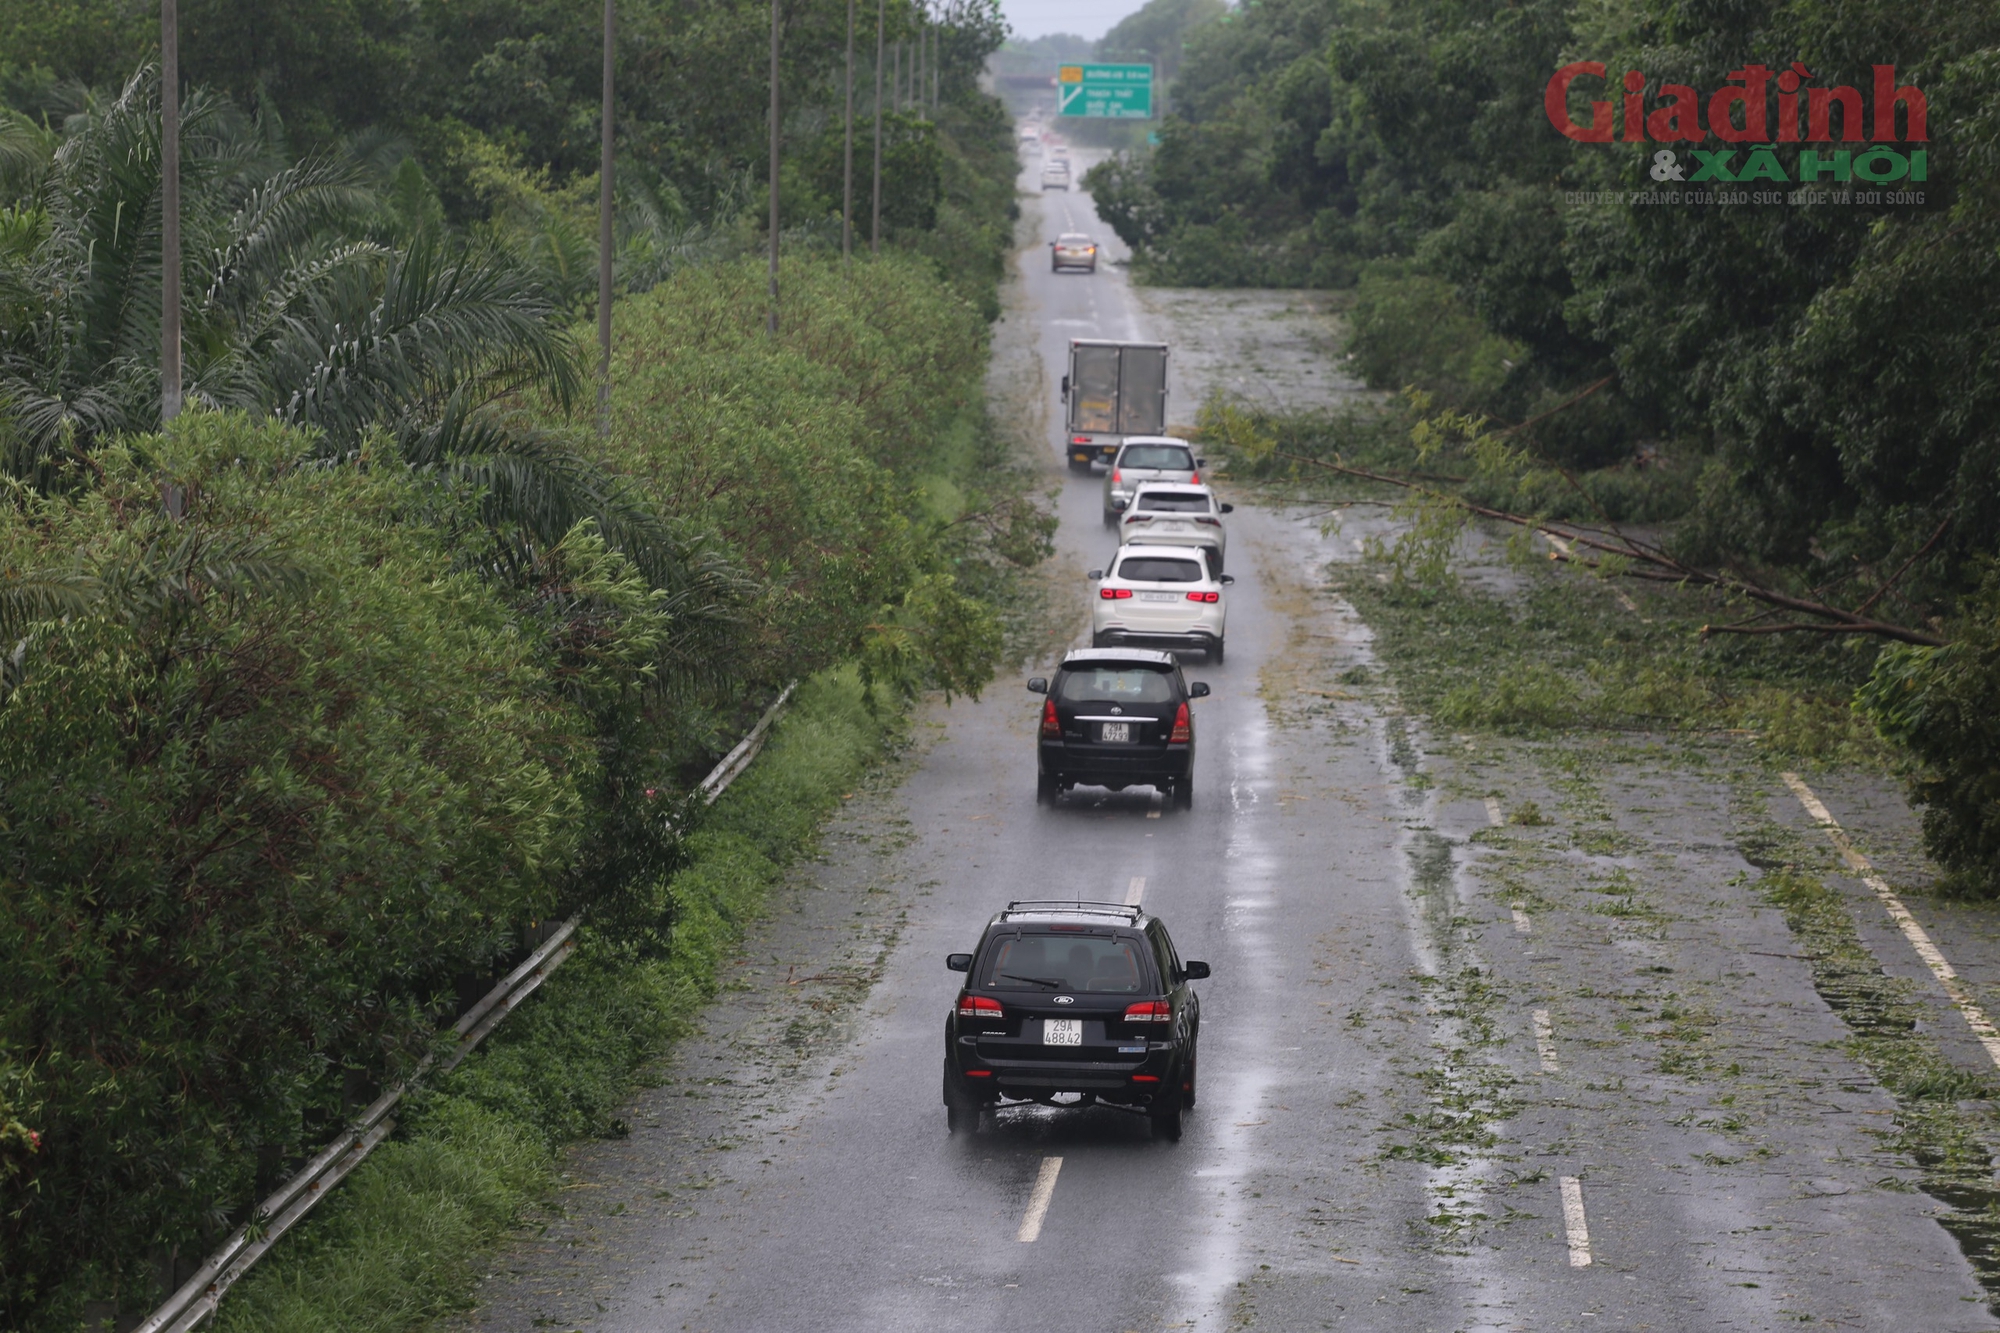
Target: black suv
x=1083, y=1001
x=1117, y=718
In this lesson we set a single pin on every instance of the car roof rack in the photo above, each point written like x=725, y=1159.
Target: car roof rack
x=1076, y=906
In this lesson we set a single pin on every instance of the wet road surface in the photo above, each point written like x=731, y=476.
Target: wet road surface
x=1428, y=1101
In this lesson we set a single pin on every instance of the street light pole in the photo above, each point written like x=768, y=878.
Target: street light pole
x=170, y=210
x=875, y=230
x=774, y=168
x=847, y=170
x=604, y=169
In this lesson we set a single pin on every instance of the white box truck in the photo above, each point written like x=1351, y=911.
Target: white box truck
x=1113, y=389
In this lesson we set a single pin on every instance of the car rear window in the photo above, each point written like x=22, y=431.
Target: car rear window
x=1167, y=502
x=1077, y=964
x=1117, y=685
x=1158, y=569
x=1167, y=457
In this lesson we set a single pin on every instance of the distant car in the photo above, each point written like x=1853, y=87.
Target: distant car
x=1083, y=1001
x=1072, y=249
x=1169, y=514
x=1055, y=176
x=1146, y=458
x=1160, y=596
x=1116, y=718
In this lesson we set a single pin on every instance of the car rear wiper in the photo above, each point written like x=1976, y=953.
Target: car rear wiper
x=1039, y=981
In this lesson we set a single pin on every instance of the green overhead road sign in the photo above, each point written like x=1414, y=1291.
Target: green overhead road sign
x=1114, y=92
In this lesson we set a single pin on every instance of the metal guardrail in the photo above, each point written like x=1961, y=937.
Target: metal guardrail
x=201, y=1294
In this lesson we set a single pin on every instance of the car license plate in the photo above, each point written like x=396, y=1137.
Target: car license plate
x=1159, y=597
x=1115, y=731
x=1062, y=1032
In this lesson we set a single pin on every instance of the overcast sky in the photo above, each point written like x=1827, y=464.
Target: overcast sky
x=1086, y=18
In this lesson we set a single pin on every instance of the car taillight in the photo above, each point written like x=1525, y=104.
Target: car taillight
x=1147, y=1011
x=1195, y=480
x=1114, y=594
x=1212, y=522
x=1114, y=476
x=979, y=1006
x=1204, y=597
x=1051, y=724
x=1138, y=518
x=1182, y=734
x=1079, y=439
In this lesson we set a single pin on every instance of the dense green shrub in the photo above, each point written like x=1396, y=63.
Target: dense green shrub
x=279, y=775
x=1942, y=705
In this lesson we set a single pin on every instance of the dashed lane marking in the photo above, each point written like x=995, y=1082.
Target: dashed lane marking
x=1575, y=1225
x=1545, y=1041
x=1920, y=940
x=1521, y=923
x=1038, y=1201
x=1494, y=814
x=1135, y=890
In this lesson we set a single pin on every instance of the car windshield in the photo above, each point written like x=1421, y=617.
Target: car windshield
x=1158, y=569
x=1169, y=457
x=1088, y=964
x=1073, y=239
x=1117, y=685
x=1169, y=502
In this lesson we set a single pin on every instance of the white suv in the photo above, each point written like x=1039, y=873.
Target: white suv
x=1160, y=596
x=1171, y=514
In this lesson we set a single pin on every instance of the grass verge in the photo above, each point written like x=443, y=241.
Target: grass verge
x=400, y=1243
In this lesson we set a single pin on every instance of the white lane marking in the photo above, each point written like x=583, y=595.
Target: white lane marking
x=1135, y=890
x=1575, y=1225
x=1521, y=923
x=1038, y=1201
x=1494, y=815
x=1545, y=1041
x=1920, y=940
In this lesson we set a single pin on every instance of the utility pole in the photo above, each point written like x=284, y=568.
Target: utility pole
x=170, y=210
x=604, y=167
x=875, y=231
x=774, y=168
x=847, y=170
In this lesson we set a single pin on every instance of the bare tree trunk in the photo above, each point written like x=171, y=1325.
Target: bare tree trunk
x=604, y=171
x=774, y=167
x=875, y=230
x=170, y=210
x=847, y=167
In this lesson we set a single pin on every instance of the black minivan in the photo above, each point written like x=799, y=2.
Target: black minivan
x=1117, y=718
x=1073, y=1004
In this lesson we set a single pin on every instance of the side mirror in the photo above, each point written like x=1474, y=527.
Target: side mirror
x=1065, y=379
x=1198, y=689
x=1190, y=970
x=962, y=962
x=1229, y=509
x=1226, y=580
x=1038, y=685
x=1094, y=575
x=1201, y=462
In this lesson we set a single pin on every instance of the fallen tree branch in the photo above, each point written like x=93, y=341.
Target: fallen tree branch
x=1654, y=564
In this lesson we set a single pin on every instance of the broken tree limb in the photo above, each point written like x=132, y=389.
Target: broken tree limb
x=1651, y=563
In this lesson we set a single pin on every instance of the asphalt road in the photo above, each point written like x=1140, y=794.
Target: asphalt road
x=1323, y=872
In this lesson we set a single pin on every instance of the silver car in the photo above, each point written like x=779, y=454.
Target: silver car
x=1072, y=249
x=1055, y=176
x=1146, y=458
x=1169, y=514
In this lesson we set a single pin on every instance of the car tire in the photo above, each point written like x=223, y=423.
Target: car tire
x=1167, y=1121
x=1082, y=465
x=1047, y=790
x=1100, y=641
x=1184, y=793
x=1189, y=1075
x=960, y=1115
x=1111, y=518
x=1215, y=653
